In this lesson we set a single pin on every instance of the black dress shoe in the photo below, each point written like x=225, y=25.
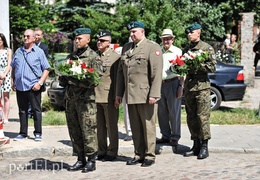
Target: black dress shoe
x=77, y=166
x=204, y=153
x=192, y=152
x=162, y=141
x=134, y=161
x=147, y=163
x=109, y=158
x=90, y=166
x=101, y=157
x=128, y=138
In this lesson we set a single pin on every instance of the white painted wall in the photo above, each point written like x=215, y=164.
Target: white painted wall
x=4, y=21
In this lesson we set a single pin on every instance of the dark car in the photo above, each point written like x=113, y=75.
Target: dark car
x=56, y=92
x=227, y=84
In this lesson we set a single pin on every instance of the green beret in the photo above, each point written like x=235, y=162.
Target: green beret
x=135, y=24
x=81, y=31
x=103, y=34
x=192, y=28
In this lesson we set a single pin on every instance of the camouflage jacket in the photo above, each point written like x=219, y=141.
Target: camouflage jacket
x=198, y=80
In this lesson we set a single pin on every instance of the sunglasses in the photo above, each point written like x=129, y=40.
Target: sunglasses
x=27, y=36
x=102, y=40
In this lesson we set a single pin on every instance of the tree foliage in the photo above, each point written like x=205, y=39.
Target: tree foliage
x=216, y=17
x=176, y=15
x=27, y=14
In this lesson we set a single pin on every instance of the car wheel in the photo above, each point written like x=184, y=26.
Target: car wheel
x=215, y=98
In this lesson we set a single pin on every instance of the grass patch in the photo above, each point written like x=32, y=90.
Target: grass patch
x=52, y=118
x=230, y=116
x=235, y=116
x=223, y=116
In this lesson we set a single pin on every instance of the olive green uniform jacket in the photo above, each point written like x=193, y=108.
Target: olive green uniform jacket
x=139, y=72
x=107, y=114
x=140, y=77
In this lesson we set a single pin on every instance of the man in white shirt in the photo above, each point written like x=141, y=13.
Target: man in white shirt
x=169, y=106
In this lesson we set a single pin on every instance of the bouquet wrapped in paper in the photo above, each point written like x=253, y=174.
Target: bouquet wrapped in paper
x=79, y=70
x=190, y=60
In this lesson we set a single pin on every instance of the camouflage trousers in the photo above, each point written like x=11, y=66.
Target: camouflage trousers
x=197, y=106
x=81, y=121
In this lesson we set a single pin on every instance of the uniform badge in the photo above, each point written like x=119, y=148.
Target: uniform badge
x=157, y=53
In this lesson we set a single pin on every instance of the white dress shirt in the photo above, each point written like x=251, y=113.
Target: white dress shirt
x=168, y=55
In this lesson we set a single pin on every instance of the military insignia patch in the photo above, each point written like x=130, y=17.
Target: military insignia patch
x=157, y=53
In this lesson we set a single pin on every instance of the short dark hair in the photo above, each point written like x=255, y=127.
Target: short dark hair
x=2, y=36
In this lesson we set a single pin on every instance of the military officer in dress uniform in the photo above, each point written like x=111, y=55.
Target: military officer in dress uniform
x=197, y=94
x=140, y=78
x=107, y=114
x=80, y=106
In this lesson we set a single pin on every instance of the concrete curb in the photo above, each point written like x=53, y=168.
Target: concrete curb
x=126, y=150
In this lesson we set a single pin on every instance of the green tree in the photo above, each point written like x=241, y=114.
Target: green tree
x=174, y=14
x=231, y=10
x=27, y=14
x=66, y=14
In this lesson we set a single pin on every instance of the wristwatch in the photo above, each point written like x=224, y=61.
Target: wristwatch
x=41, y=83
x=181, y=85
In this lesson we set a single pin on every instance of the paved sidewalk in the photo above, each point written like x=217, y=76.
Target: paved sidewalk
x=225, y=138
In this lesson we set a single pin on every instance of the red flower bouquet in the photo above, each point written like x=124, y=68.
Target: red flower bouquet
x=190, y=60
x=78, y=69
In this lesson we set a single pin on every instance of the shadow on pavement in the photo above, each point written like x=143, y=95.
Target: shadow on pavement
x=10, y=134
x=45, y=164
x=66, y=142
x=13, y=120
x=180, y=149
x=225, y=108
x=121, y=135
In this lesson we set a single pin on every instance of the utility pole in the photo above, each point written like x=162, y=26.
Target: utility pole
x=4, y=23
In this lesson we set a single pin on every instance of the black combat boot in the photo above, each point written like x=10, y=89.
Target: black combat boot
x=91, y=164
x=204, y=153
x=194, y=150
x=79, y=164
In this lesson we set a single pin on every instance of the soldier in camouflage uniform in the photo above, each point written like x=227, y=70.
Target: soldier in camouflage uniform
x=197, y=94
x=81, y=107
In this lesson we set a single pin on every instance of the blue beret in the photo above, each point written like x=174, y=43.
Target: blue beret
x=103, y=34
x=135, y=24
x=192, y=28
x=81, y=31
